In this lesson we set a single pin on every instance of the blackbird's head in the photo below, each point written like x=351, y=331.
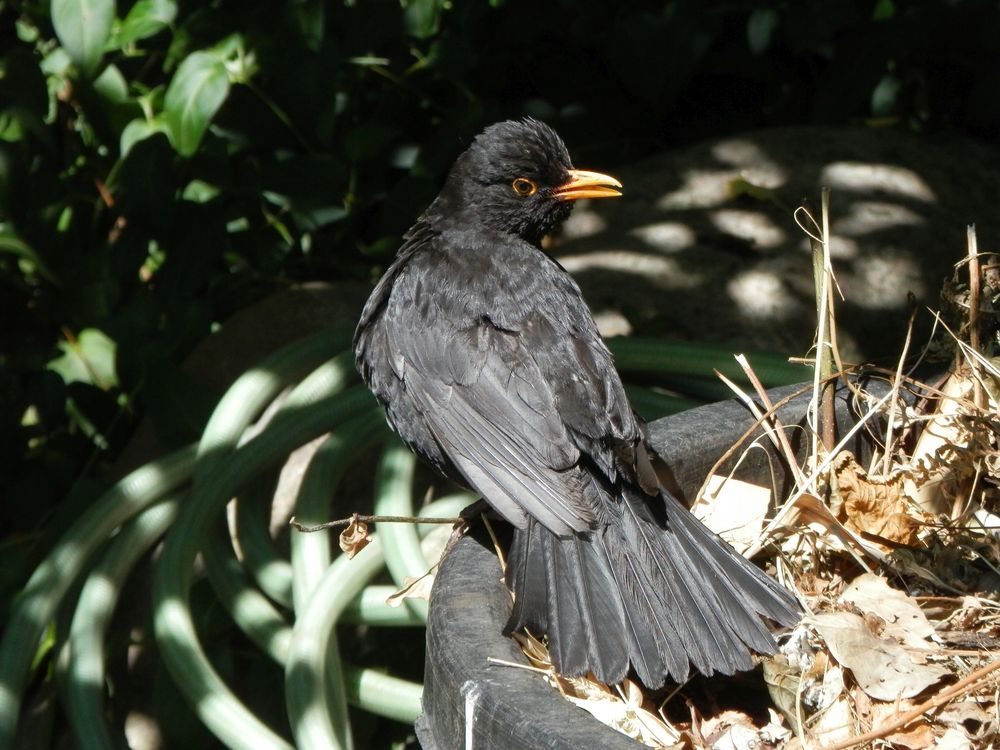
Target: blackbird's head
x=517, y=178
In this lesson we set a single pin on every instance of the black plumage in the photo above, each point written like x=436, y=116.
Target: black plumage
x=490, y=366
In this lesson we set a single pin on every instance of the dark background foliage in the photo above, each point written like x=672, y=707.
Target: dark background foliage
x=188, y=158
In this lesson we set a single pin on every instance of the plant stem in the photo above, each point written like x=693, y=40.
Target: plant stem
x=974, y=293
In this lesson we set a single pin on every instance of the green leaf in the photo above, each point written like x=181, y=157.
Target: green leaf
x=48, y=642
x=83, y=28
x=199, y=191
x=197, y=90
x=90, y=358
x=57, y=63
x=138, y=130
x=227, y=48
x=147, y=18
x=111, y=85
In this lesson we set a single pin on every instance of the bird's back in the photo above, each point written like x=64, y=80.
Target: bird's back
x=470, y=308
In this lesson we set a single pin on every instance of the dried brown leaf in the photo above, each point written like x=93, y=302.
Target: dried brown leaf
x=622, y=709
x=810, y=511
x=782, y=679
x=413, y=588
x=733, y=509
x=863, y=708
x=916, y=735
x=875, y=506
x=354, y=538
x=730, y=730
x=904, y=620
x=775, y=732
x=954, y=739
x=970, y=718
x=534, y=649
x=934, y=455
x=836, y=723
x=881, y=666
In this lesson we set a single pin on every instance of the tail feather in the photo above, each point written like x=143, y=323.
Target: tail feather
x=693, y=637
x=768, y=596
x=703, y=560
x=583, y=607
x=657, y=597
x=725, y=628
x=648, y=641
x=611, y=650
x=588, y=611
x=525, y=566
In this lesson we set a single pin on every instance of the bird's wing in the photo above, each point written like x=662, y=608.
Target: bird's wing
x=589, y=394
x=419, y=236
x=494, y=413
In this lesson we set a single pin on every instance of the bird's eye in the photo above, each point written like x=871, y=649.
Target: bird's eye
x=524, y=187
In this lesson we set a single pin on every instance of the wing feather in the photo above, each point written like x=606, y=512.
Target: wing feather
x=495, y=416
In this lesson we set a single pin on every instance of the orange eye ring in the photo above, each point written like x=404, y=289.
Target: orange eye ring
x=524, y=187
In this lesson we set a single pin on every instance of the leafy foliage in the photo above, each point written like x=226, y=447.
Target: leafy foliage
x=164, y=163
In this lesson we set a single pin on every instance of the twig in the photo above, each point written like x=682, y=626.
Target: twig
x=979, y=396
x=778, y=428
x=769, y=423
x=818, y=471
x=823, y=405
x=497, y=547
x=670, y=696
x=515, y=665
x=896, y=382
x=799, y=490
x=744, y=437
x=938, y=700
x=977, y=653
x=368, y=519
x=828, y=423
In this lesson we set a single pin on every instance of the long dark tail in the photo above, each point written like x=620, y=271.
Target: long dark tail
x=659, y=595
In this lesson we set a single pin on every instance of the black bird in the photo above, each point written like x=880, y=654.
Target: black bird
x=489, y=365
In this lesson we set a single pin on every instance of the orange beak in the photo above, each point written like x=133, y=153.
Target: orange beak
x=583, y=184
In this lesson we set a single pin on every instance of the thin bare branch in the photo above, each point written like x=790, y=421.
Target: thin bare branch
x=959, y=688
x=368, y=519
